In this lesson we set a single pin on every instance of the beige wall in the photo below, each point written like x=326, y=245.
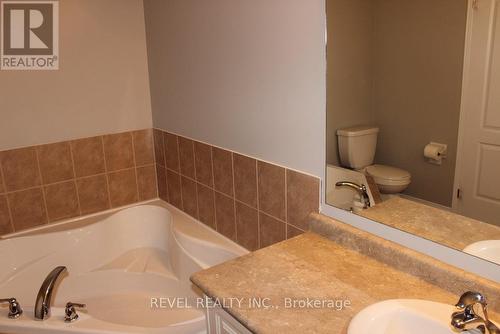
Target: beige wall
x=102, y=85
x=417, y=88
x=350, y=67
x=416, y=51
x=244, y=75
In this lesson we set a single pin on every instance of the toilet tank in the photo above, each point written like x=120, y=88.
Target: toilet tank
x=357, y=146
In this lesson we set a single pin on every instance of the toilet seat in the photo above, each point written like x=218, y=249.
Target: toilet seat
x=389, y=176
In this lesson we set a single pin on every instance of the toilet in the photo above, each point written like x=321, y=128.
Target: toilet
x=357, y=150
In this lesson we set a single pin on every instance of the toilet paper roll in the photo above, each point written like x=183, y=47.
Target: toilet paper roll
x=433, y=152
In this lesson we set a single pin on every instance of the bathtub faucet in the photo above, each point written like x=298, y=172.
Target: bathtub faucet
x=42, y=304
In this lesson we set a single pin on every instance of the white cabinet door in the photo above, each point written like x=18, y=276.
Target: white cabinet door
x=478, y=168
x=221, y=322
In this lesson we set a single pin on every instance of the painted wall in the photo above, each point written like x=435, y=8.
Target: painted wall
x=350, y=67
x=244, y=75
x=102, y=85
x=417, y=88
x=414, y=81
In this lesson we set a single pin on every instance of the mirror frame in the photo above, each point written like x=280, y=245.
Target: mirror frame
x=454, y=257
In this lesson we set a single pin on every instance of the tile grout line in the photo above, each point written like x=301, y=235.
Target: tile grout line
x=154, y=162
x=271, y=216
x=196, y=184
x=74, y=178
x=234, y=195
x=164, y=150
x=286, y=203
x=135, y=167
x=213, y=189
x=258, y=201
x=106, y=171
x=157, y=163
x=6, y=197
x=214, y=202
x=42, y=185
x=179, y=167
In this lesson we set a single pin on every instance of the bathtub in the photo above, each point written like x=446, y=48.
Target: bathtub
x=117, y=262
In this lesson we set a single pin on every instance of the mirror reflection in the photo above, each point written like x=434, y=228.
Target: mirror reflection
x=413, y=117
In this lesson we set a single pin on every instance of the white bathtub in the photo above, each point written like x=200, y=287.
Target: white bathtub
x=117, y=262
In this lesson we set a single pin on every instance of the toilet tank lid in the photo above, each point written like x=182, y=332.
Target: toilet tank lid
x=360, y=130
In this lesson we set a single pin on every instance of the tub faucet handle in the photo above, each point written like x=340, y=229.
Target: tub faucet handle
x=70, y=312
x=15, y=309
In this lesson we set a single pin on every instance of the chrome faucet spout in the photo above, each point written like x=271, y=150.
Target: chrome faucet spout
x=361, y=189
x=467, y=315
x=42, y=303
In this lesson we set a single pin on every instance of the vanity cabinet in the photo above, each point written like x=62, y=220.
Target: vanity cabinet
x=221, y=322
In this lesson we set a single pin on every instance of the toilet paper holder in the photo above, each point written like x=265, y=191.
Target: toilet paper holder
x=435, y=152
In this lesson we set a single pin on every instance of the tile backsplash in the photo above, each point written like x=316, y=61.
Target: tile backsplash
x=47, y=183
x=252, y=202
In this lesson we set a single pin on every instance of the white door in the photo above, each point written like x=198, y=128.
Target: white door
x=478, y=163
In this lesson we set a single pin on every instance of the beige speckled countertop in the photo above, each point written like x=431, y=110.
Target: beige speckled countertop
x=444, y=227
x=309, y=266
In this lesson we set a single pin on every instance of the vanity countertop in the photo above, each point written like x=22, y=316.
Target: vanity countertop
x=438, y=225
x=314, y=267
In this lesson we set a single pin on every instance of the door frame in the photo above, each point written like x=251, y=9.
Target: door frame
x=456, y=202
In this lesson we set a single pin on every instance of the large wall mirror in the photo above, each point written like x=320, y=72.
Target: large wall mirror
x=413, y=117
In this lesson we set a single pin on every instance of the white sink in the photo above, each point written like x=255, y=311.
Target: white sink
x=403, y=316
x=488, y=250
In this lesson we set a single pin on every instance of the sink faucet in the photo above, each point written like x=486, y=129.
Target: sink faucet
x=361, y=189
x=467, y=316
x=42, y=304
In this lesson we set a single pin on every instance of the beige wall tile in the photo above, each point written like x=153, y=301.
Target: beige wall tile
x=118, y=151
x=206, y=205
x=223, y=170
x=56, y=163
x=245, y=179
x=247, y=226
x=20, y=169
x=27, y=208
x=122, y=187
x=5, y=223
x=88, y=156
x=225, y=215
x=146, y=182
x=302, y=198
x=61, y=200
x=203, y=162
x=272, y=190
x=271, y=230
x=93, y=194
x=143, y=147
x=189, y=197
x=171, y=151
x=186, y=154
x=174, y=189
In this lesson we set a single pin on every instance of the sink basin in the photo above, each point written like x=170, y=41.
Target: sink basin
x=488, y=250
x=403, y=316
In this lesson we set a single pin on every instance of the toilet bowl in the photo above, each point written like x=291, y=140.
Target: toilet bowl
x=389, y=180
x=357, y=151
